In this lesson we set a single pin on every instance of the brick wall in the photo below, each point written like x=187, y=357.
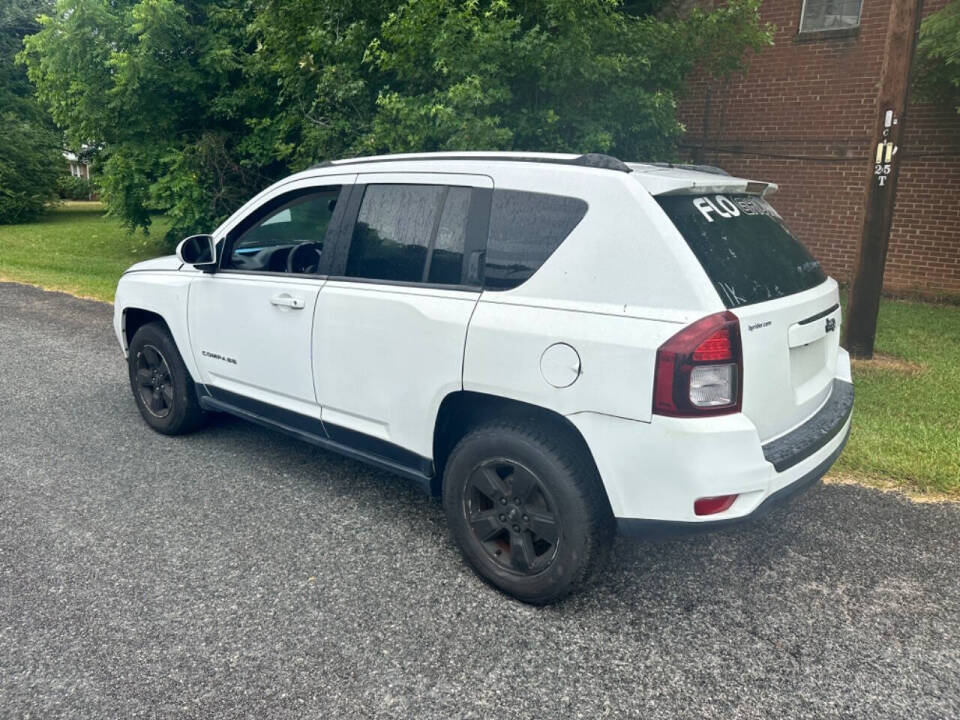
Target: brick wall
x=802, y=116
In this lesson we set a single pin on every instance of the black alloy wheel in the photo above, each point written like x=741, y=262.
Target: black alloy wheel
x=154, y=382
x=526, y=507
x=512, y=516
x=165, y=393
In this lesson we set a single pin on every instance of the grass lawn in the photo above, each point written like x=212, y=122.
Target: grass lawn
x=906, y=424
x=75, y=248
x=906, y=429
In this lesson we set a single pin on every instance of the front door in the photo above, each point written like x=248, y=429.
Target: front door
x=251, y=322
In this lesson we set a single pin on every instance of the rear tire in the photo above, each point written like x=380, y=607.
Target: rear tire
x=162, y=387
x=527, y=509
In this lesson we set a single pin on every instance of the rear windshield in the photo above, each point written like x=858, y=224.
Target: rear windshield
x=744, y=247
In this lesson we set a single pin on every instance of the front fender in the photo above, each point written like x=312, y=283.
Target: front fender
x=165, y=293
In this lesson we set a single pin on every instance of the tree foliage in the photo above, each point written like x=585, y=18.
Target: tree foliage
x=70, y=187
x=198, y=103
x=938, y=56
x=30, y=159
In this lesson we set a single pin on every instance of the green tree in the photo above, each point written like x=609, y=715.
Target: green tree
x=560, y=75
x=30, y=156
x=198, y=103
x=938, y=56
x=160, y=85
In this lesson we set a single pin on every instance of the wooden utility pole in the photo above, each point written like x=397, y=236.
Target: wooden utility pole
x=864, y=302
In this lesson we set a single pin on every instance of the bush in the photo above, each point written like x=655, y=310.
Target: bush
x=29, y=163
x=74, y=188
x=938, y=56
x=29, y=143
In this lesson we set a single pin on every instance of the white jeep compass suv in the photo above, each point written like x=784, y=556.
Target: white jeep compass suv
x=556, y=345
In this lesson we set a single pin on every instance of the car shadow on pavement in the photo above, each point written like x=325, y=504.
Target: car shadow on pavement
x=832, y=542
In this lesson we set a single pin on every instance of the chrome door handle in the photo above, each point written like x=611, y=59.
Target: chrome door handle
x=285, y=300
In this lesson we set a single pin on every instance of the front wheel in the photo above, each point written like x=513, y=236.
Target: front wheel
x=527, y=510
x=162, y=387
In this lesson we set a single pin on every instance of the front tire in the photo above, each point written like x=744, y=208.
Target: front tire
x=162, y=387
x=527, y=509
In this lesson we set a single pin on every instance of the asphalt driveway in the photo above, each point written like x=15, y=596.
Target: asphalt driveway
x=239, y=573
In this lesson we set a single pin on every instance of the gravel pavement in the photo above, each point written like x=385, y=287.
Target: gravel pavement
x=239, y=573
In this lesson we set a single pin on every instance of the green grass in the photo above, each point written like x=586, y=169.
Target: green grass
x=906, y=429
x=74, y=248
x=906, y=425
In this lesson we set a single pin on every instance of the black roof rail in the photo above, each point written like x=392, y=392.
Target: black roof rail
x=599, y=160
x=712, y=169
x=592, y=160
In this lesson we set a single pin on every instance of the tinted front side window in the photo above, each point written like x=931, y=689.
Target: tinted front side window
x=410, y=233
x=525, y=229
x=300, y=218
x=744, y=247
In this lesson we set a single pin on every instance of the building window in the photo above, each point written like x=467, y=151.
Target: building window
x=819, y=15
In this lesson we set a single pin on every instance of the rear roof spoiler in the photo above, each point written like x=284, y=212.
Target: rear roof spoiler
x=689, y=166
x=667, y=179
x=748, y=187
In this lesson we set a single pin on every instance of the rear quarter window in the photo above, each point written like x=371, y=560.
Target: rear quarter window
x=525, y=229
x=744, y=247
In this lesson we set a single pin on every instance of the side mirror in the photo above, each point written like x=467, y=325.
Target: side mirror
x=199, y=251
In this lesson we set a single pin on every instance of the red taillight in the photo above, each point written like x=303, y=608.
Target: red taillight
x=699, y=371
x=715, y=348
x=713, y=505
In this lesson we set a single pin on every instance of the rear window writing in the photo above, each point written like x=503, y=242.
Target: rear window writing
x=744, y=247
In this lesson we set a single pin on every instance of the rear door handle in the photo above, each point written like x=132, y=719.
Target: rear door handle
x=286, y=300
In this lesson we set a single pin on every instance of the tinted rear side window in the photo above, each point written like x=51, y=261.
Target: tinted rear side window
x=410, y=233
x=525, y=229
x=445, y=259
x=393, y=231
x=744, y=247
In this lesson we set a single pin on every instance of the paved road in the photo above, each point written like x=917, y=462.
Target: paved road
x=238, y=573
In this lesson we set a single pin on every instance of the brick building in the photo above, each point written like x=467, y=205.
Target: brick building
x=803, y=115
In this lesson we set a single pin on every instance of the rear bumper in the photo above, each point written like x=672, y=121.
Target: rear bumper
x=653, y=472
x=802, y=442
x=646, y=528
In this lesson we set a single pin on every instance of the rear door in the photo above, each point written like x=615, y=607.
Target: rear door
x=391, y=321
x=789, y=310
